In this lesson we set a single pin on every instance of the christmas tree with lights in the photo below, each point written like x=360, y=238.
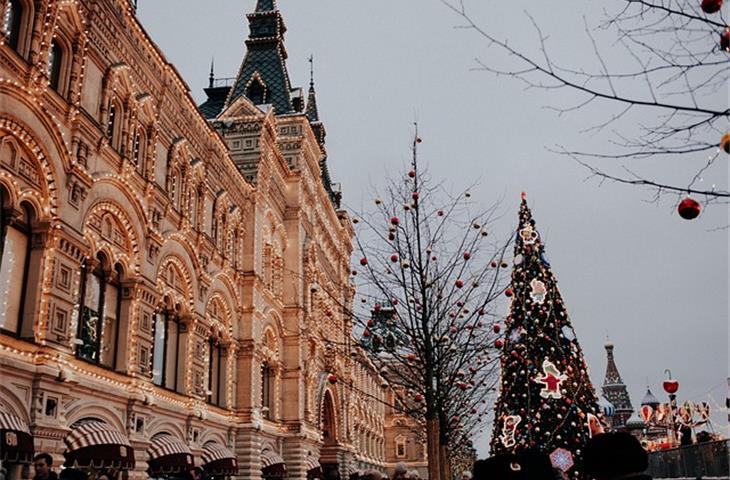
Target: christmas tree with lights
x=546, y=401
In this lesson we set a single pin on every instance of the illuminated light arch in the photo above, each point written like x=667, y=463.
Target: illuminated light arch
x=98, y=242
x=90, y=408
x=46, y=211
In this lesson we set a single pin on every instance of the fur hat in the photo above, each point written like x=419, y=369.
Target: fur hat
x=523, y=466
x=614, y=454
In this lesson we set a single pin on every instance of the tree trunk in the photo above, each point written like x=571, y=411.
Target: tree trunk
x=434, y=455
x=444, y=463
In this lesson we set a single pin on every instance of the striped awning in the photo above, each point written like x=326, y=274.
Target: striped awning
x=98, y=445
x=270, y=458
x=219, y=460
x=168, y=454
x=16, y=442
x=311, y=463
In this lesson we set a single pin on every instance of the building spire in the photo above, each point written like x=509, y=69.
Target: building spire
x=312, y=113
x=211, y=77
x=263, y=77
x=615, y=390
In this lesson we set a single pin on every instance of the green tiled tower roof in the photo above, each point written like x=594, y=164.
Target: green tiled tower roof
x=263, y=76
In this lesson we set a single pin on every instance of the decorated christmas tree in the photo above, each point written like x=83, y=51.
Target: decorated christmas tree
x=546, y=401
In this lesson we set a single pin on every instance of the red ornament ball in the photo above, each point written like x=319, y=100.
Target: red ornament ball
x=459, y=283
x=377, y=307
x=467, y=255
x=711, y=6
x=670, y=386
x=497, y=328
x=493, y=264
x=725, y=142
x=391, y=236
x=499, y=343
x=509, y=292
x=332, y=378
x=412, y=174
x=394, y=258
x=689, y=208
x=440, y=213
x=418, y=397
x=371, y=323
x=363, y=261
x=394, y=220
x=414, y=195
x=725, y=39
x=366, y=333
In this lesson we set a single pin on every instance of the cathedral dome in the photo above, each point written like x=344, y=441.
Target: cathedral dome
x=649, y=399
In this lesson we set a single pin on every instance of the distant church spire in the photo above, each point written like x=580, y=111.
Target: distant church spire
x=211, y=77
x=615, y=390
x=263, y=77
x=312, y=113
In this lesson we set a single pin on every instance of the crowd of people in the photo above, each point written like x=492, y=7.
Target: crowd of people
x=608, y=456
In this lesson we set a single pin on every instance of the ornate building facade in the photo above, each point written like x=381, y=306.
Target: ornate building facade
x=173, y=278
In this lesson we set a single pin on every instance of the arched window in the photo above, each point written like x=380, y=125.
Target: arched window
x=15, y=253
x=100, y=308
x=174, y=187
x=216, y=384
x=400, y=447
x=165, y=358
x=267, y=391
x=256, y=92
x=140, y=145
x=55, y=62
x=13, y=23
x=268, y=265
x=114, y=124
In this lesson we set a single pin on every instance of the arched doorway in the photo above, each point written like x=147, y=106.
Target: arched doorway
x=328, y=457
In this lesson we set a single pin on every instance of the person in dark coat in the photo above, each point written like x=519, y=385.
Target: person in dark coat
x=43, y=463
x=615, y=455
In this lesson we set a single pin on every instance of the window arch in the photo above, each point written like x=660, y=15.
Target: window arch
x=56, y=66
x=16, y=25
x=139, y=150
x=400, y=446
x=99, y=312
x=256, y=92
x=15, y=255
x=114, y=124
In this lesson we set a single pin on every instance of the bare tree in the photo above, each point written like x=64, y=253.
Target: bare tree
x=679, y=49
x=427, y=281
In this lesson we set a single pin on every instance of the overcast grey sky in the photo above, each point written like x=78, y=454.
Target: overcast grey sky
x=628, y=268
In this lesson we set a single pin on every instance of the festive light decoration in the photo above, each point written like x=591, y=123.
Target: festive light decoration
x=544, y=377
x=725, y=39
x=562, y=459
x=689, y=208
x=551, y=378
x=711, y=6
x=725, y=142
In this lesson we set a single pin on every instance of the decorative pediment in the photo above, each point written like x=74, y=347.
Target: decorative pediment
x=241, y=107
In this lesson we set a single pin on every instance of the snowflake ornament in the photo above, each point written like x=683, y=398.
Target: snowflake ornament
x=551, y=378
x=562, y=459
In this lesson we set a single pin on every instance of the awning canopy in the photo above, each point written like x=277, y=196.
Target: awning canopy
x=314, y=469
x=219, y=460
x=16, y=442
x=272, y=465
x=95, y=444
x=168, y=455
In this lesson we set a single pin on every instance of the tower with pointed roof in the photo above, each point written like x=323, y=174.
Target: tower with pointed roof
x=614, y=389
x=237, y=106
x=263, y=77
